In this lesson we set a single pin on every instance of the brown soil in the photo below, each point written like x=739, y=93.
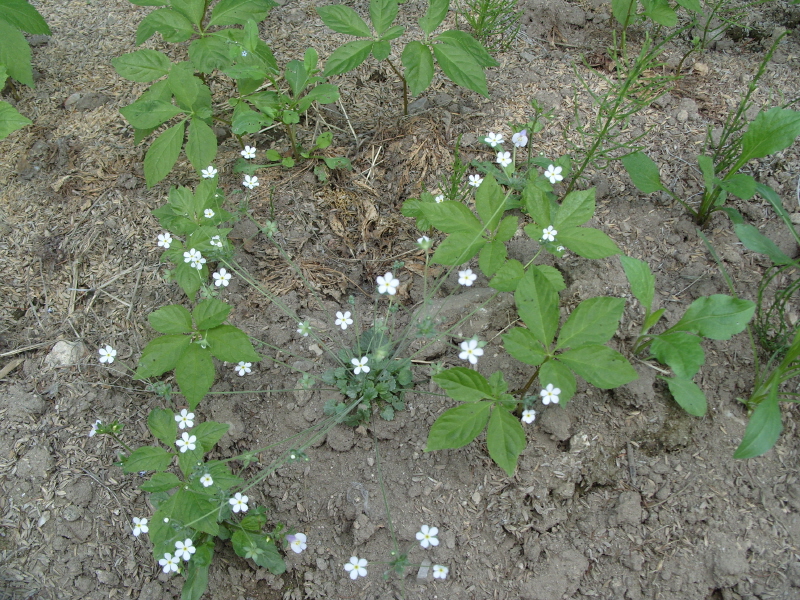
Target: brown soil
x=618, y=495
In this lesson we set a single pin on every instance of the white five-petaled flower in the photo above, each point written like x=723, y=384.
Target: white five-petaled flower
x=427, y=536
x=239, y=502
x=184, y=549
x=343, y=320
x=549, y=234
x=554, y=173
x=425, y=242
x=198, y=264
x=297, y=542
x=466, y=277
x=208, y=172
x=528, y=415
x=550, y=394
x=208, y=213
x=139, y=526
x=250, y=182
x=244, y=52
x=107, y=354
x=439, y=199
x=169, y=562
x=493, y=139
x=304, y=328
x=222, y=278
x=560, y=249
x=187, y=442
x=356, y=567
x=520, y=139
x=249, y=152
x=216, y=241
x=504, y=159
x=93, y=431
x=471, y=352
x=164, y=239
x=475, y=180
x=191, y=256
x=388, y=284
x=185, y=419
x=243, y=368
x=207, y=480
x=440, y=572
x=360, y=365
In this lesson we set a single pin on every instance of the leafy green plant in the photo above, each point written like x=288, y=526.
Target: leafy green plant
x=495, y=23
x=459, y=55
x=16, y=16
x=659, y=11
x=716, y=317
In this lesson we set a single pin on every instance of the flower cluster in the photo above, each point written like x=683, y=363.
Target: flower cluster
x=193, y=256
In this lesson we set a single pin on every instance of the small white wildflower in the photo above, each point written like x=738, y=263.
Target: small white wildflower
x=425, y=242
x=475, y=180
x=440, y=572
x=304, y=328
x=466, y=277
x=198, y=262
x=208, y=213
x=185, y=419
x=207, y=480
x=169, y=563
x=107, y=354
x=528, y=415
x=191, y=256
x=427, y=536
x=439, y=199
x=184, y=549
x=297, y=542
x=249, y=152
x=356, y=567
x=208, y=172
x=187, y=442
x=222, y=278
x=504, y=159
x=549, y=234
x=360, y=365
x=93, y=431
x=560, y=249
x=139, y=526
x=471, y=352
x=216, y=241
x=554, y=174
x=250, y=182
x=520, y=139
x=388, y=284
x=239, y=502
x=493, y=139
x=550, y=394
x=243, y=368
x=244, y=52
x=164, y=239
x=343, y=320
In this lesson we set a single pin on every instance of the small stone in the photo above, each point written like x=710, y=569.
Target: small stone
x=418, y=105
x=682, y=116
x=91, y=101
x=629, y=508
x=71, y=513
x=556, y=422
x=65, y=354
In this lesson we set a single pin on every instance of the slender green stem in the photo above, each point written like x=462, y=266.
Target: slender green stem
x=405, y=87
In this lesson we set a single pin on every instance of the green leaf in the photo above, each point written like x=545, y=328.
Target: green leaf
x=184, y=85
x=643, y=172
x=576, y=209
x=460, y=66
x=718, y=317
x=147, y=458
x=506, y=229
x=458, y=248
x=160, y=482
x=201, y=145
x=189, y=279
x=163, y=154
x=324, y=93
x=505, y=439
x=537, y=303
x=163, y=426
x=538, y=206
x=707, y=168
x=161, y=355
x=740, y=185
x=661, y=12
x=238, y=12
x=231, y=344
x=194, y=10
x=599, y=365
x=171, y=319
x=210, y=313
x=756, y=241
x=418, y=63
x=693, y=5
x=347, y=57
x=147, y=114
x=209, y=433
x=222, y=476
x=10, y=120
x=640, y=278
x=15, y=54
x=393, y=33
x=196, y=511
x=553, y=275
x=296, y=77
x=623, y=10
x=687, y=394
x=458, y=426
x=561, y=377
x=433, y=17
x=770, y=132
x=524, y=346
x=172, y=26
x=681, y=350
x=593, y=321
x=23, y=16
x=256, y=547
x=196, y=580
x=194, y=373
x=489, y=202
x=209, y=54
x=469, y=44
x=451, y=217
x=464, y=385
x=763, y=429
x=382, y=13
x=246, y=120
x=343, y=19
x=652, y=320
x=508, y=276
x=587, y=242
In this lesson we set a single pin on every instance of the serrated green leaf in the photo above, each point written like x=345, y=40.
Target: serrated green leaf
x=558, y=374
x=163, y=154
x=256, y=547
x=661, y=12
x=10, y=120
x=681, y=350
x=161, y=423
x=160, y=482
x=553, y=275
x=23, y=16
x=433, y=17
x=464, y=385
x=209, y=54
x=451, y=217
x=469, y=44
x=577, y=208
x=210, y=313
x=15, y=54
x=506, y=229
x=189, y=279
x=147, y=458
x=196, y=511
x=505, y=439
x=147, y=114
x=458, y=426
x=348, y=57
x=161, y=355
x=643, y=172
x=508, y=276
x=524, y=346
x=489, y=202
x=587, y=242
x=343, y=19
x=231, y=344
x=324, y=93
x=238, y=12
x=492, y=257
x=599, y=365
x=171, y=319
x=457, y=249
x=194, y=373
x=764, y=427
x=194, y=10
x=460, y=66
x=718, y=317
x=686, y=393
x=201, y=145
x=418, y=63
x=382, y=13
x=172, y=26
x=693, y=5
x=594, y=321
x=184, y=85
x=209, y=433
x=296, y=77
x=640, y=278
x=537, y=303
x=623, y=10
x=246, y=120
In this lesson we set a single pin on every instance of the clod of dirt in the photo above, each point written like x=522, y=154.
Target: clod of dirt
x=363, y=529
x=20, y=404
x=80, y=492
x=65, y=354
x=35, y=464
x=676, y=433
x=341, y=438
x=639, y=392
x=629, y=509
x=91, y=101
x=561, y=577
x=556, y=422
x=728, y=560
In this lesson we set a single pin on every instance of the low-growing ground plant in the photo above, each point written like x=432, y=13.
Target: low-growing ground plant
x=495, y=23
